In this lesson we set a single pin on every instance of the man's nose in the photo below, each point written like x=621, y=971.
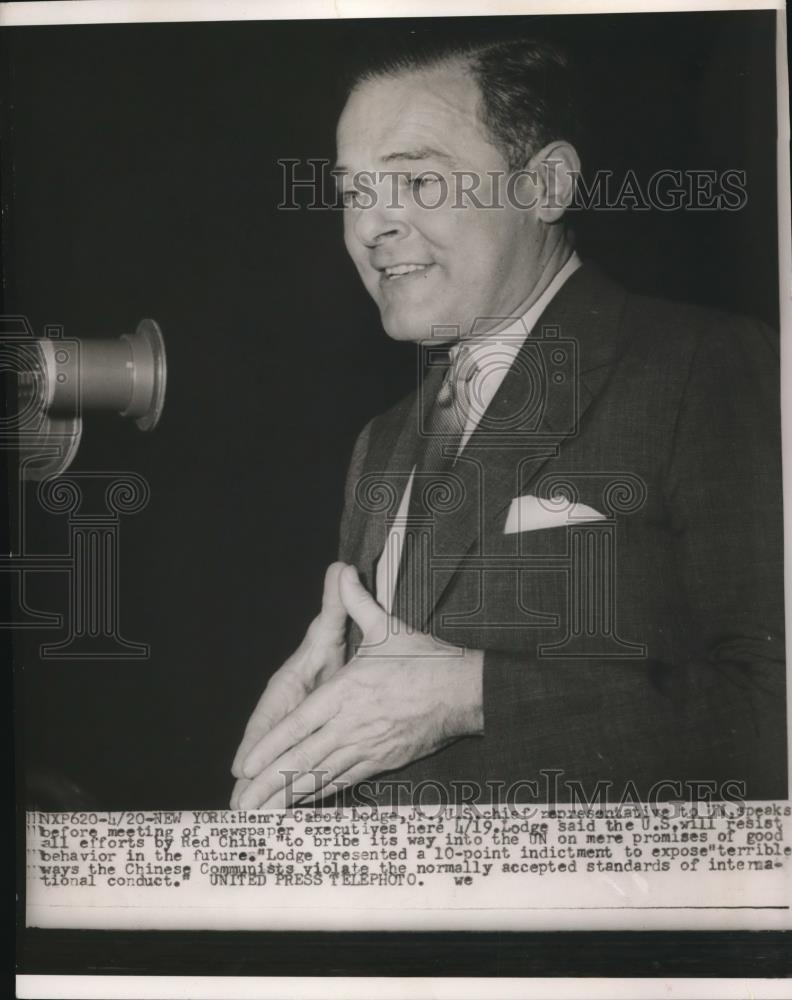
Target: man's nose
x=376, y=225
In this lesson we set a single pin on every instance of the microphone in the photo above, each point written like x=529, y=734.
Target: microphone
x=61, y=379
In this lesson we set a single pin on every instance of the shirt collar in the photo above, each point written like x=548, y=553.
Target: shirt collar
x=507, y=342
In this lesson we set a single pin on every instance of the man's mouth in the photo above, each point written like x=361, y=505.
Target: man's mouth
x=402, y=270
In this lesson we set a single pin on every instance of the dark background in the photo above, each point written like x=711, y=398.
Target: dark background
x=140, y=179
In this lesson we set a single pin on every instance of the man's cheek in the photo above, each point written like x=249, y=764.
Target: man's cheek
x=354, y=247
x=368, y=276
x=372, y=286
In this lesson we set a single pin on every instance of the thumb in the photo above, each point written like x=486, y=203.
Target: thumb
x=334, y=613
x=370, y=616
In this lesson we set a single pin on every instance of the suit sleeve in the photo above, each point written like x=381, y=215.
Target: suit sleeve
x=715, y=711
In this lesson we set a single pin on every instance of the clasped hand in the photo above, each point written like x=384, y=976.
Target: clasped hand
x=322, y=725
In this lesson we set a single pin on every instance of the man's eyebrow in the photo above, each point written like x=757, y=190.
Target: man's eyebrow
x=423, y=153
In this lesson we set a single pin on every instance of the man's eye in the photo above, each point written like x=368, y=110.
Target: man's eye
x=349, y=198
x=417, y=181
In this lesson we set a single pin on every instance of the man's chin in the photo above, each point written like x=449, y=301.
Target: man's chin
x=402, y=333
x=414, y=329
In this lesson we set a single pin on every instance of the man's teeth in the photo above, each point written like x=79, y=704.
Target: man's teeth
x=399, y=269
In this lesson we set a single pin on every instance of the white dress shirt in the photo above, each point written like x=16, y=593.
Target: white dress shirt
x=491, y=355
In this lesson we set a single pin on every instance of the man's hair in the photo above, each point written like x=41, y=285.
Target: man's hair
x=527, y=90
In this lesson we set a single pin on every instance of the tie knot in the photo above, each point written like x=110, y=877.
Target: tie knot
x=461, y=369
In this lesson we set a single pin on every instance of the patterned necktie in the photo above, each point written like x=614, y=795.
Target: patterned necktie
x=446, y=424
x=441, y=440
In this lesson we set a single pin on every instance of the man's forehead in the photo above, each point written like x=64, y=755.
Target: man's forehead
x=430, y=110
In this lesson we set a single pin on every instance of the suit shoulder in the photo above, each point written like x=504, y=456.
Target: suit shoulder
x=677, y=332
x=379, y=429
x=394, y=416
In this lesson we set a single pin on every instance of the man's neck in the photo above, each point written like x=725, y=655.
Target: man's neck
x=556, y=260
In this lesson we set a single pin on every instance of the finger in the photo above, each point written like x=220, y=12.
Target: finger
x=318, y=780
x=370, y=616
x=333, y=611
x=317, y=709
x=359, y=772
x=274, y=704
x=275, y=780
x=291, y=795
x=239, y=787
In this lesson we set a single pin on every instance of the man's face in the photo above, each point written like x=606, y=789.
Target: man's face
x=473, y=262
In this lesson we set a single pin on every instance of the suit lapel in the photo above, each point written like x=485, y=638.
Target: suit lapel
x=386, y=470
x=560, y=370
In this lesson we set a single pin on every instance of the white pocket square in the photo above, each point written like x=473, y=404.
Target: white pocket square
x=530, y=513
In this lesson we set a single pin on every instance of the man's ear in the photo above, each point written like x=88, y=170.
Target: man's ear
x=556, y=167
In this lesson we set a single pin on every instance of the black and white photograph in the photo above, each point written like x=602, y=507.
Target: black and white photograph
x=395, y=522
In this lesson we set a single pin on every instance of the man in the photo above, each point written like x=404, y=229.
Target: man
x=561, y=556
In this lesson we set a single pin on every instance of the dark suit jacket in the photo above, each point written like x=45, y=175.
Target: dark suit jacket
x=644, y=648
